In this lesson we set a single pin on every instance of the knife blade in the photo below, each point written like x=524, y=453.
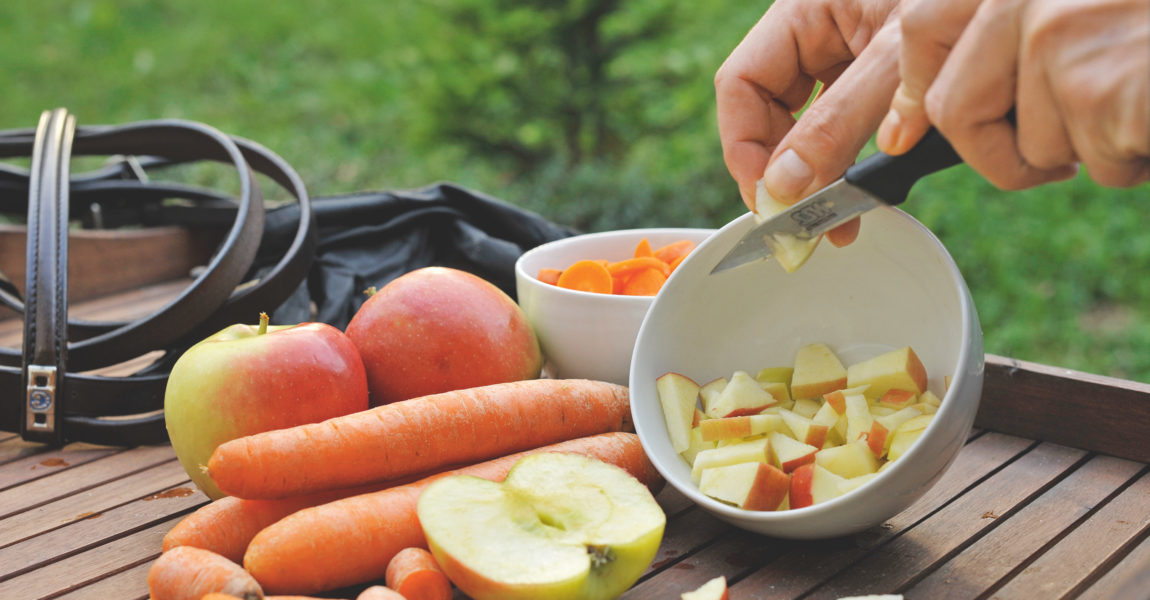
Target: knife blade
x=879, y=180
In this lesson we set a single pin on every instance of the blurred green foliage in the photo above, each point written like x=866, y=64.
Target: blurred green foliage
x=595, y=113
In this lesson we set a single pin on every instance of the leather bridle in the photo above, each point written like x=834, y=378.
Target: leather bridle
x=45, y=392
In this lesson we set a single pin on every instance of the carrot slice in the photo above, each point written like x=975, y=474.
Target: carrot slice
x=678, y=261
x=674, y=251
x=643, y=248
x=631, y=266
x=645, y=283
x=549, y=275
x=618, y=282
x=586, y=276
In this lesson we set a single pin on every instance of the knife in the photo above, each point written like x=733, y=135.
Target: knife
x=878, y=180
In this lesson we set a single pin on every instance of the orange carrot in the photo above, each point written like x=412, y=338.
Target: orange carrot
x=674, y=251
x=414, y=573
x=675, y=263
x=643, y=248
x=378, y=592
x=417, y=436
x=586, y=276
x=551, y=276
x=631, y=266
x=647, y=282
x=351, y=541
x=187, y=573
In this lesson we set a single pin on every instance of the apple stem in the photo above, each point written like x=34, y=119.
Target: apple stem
x=263, y=324
x=370, y=291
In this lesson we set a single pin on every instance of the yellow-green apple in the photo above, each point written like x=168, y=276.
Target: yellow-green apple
x=728, y=428
x=756, y=450
x=560, y=526
x=249, y=379
x=679, y=395
x=788, y=453
x=818, y=371
x=438, y=329
x=750, y=485
x=848, y=460
x=715, y=589
x=812, y=484
x=906, y=435
x=896, y=398
x=741, y=396
x=791, y=251
x=804, y=429
x=899, y=369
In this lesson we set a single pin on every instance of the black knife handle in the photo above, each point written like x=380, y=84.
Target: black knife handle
x=889, y=178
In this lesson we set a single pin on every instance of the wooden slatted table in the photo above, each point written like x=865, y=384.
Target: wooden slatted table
x=1050, y=498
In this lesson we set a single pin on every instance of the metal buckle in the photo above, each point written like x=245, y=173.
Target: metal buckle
x=41, y=399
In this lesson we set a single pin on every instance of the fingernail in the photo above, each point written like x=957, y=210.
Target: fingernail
x=787, y=176
x=889, y=132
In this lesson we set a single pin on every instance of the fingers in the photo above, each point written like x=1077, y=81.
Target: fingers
x=974, y=90
x=772, y=72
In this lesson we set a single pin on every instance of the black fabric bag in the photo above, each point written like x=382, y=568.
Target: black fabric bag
x=310, y=260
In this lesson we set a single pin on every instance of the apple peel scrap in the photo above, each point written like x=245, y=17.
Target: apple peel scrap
x=568, y=527
x=798, y=435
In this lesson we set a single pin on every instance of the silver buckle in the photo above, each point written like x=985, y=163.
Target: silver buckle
x=41, y=399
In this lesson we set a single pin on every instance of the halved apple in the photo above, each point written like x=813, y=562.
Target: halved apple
x=741, y=396
x=818, y=371
x=560, y=526
x=750, y=486
x=678, y=394
x=900, y=369
x=715, y=589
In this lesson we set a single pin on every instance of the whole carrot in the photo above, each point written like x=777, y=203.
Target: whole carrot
x=351, y=541
x=187, y=573
x=417, y=435
x=414, y=573
x=379, y=592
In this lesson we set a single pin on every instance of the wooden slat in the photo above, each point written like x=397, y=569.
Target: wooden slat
x=90, y=503
x=129, y=584
x=993, y=557
x=58, y=485
x=15, y=448
x=1129, y=579
x=685, y=533
x=732, y=554
x=92, y=565
x=85, y=534
x=807, y=564
x=923, y=546
x=1076, y=409
x=50, y=462
x=1088, y=548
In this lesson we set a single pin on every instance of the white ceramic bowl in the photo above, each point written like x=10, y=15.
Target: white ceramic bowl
x=585, y=335
x=895, y=286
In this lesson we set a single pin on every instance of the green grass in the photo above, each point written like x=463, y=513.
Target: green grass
x=1060, y=274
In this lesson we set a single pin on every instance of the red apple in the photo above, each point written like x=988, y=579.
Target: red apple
x=246, y=380
x=438, y=329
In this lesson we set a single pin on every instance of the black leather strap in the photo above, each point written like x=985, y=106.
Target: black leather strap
x=125, y=410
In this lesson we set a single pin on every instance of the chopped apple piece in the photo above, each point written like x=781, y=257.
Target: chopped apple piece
x=712, y=389
x=896, y=398
x=807, y=407
x=894, y=421
x=928, y=397
x=740, y=427
x=926, y=409
x=812, y=484
x=788, y=453
x=775, y=375
x=853, y=483
x=741, y=396
x=848, y=460
x=881, y=411
x=679, y=396
x=837, y=398
x=715, y=589
x=789, y=250
x=750, y=451
x=899, y=369
x=858, y=417
x=803, y=429
x=828, y=418
x=752, y=486
x=818, y=371
x=778, y=390
x=906, y=435
x=697, y=445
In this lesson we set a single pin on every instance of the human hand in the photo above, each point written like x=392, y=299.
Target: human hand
x=852, y=48
x=1077, y=73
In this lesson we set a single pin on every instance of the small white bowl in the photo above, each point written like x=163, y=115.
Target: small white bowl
x=586, y=335
x=895, y=286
